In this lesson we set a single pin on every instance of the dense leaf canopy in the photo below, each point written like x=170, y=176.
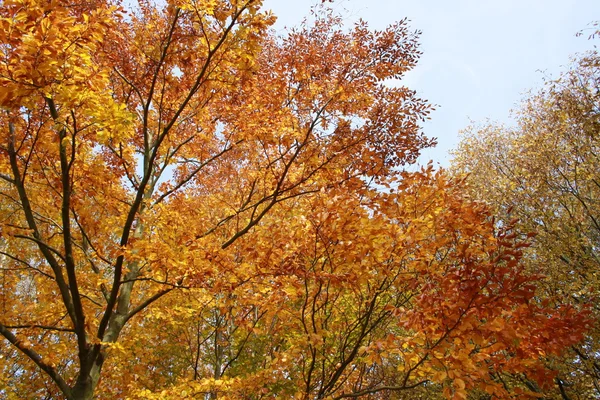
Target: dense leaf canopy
x=193, y=207
x=545, y=172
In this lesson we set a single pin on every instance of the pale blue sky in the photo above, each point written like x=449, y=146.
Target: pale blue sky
x=479, y=56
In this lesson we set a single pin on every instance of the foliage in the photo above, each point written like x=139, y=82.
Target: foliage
x=545, y=172
x=192, y=206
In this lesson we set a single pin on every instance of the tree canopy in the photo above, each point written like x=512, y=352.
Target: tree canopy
x=194, y=207
x=544, y=171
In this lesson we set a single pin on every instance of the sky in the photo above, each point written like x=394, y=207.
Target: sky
x=480, y=57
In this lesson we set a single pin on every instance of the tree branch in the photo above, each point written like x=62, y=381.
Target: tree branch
x=380, y=389
x=37, y=237
x=146, y=303
x=37, y=359
x=45, y=327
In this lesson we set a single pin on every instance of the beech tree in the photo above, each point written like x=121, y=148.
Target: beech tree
x=544, y=171
x=192, y=207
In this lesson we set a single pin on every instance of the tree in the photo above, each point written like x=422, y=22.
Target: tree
x=189, y=207
x=356, y=305
x=544, y=171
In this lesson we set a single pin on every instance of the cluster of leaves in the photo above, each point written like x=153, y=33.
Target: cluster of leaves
x=188, y=209
x=360, y=297
x=545, y=172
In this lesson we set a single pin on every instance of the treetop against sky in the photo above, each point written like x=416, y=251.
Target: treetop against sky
x=479, y=57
